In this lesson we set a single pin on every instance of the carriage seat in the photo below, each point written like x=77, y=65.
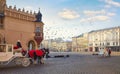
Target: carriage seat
x=16, y=49
x=19, y=50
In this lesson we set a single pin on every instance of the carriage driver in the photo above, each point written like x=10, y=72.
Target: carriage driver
x=19, y=44
x=18, y=47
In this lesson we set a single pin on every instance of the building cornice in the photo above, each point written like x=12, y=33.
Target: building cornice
x=19, y=13
x=104, y=29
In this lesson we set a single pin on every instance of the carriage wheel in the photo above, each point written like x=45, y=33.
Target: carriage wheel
x=18, y=61
x=25, y=62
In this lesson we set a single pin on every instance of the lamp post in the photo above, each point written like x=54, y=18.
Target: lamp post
x=76, y=44
x=119, y=37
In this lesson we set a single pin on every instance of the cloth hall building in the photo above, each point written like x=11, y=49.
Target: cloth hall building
x=18, y=24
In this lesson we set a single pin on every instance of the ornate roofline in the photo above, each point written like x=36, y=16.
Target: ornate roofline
x=19, y=13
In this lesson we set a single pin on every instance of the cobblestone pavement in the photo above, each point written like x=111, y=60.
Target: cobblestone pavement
x=75, y=64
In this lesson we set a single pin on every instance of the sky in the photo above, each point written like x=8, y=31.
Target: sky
x=69, y=18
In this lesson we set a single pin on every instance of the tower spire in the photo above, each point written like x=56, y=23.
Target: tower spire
x=39, y=16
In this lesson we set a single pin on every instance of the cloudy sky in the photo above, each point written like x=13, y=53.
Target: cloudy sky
x=68, y=18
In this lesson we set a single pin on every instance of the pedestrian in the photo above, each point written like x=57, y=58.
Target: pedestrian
x=47, y=53
x=105, y=52
x=109, y=52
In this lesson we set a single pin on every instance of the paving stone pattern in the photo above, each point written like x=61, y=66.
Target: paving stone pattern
x=75, y=64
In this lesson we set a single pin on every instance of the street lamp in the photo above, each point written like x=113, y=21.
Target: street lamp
x=119, y=38
x=76, y=44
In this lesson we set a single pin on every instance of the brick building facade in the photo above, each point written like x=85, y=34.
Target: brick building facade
x=16, y=24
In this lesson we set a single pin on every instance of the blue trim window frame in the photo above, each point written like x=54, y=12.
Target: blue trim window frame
x=37, y=29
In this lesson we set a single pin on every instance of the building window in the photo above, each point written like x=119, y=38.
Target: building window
x=37, y=29
x=96, y=44
x=91, y=44
x=113, y=43
x=116, y=43
x=37, y=34
x=108, y=43
x=100, y=44
x=0, y=40
x=1, y=23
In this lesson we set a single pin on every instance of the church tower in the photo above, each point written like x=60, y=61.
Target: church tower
x=2, y=6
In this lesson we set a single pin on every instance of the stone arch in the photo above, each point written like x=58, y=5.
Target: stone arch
x=31, y=45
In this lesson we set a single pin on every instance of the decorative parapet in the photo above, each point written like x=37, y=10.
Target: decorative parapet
x=19, y=13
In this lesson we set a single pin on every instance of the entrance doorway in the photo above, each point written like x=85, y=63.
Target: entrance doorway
x=31, y=45
x=96, y=49
x=90, y=49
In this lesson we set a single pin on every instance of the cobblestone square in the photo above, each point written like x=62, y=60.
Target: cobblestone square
x=75, y=64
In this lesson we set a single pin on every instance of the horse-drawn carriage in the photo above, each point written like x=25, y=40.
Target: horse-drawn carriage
x=8, y=54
